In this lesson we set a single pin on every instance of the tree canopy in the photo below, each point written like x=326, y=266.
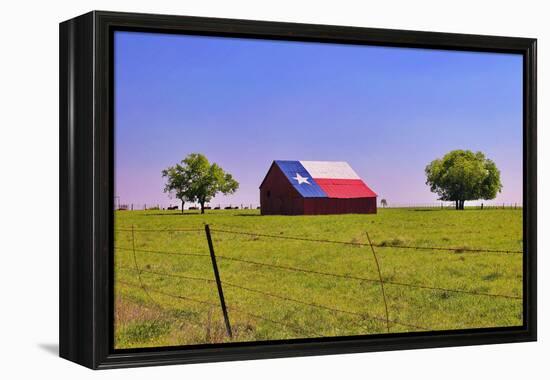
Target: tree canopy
x=462, y=175
x=194, y=179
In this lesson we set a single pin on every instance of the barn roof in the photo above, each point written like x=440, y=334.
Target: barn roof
x=324, y=179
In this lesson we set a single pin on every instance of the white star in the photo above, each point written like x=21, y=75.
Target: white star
x=301, y=179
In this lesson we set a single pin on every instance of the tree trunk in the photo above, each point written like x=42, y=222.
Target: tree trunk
x=182, y=203
x=456, y=205
x=202, y=207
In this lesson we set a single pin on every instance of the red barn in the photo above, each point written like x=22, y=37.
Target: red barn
x=313, y=188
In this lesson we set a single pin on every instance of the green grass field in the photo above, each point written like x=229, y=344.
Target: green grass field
x=308, y=304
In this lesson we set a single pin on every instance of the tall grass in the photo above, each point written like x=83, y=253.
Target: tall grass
x=157, y=318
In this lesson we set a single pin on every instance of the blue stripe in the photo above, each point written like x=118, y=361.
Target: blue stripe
x=293, y=169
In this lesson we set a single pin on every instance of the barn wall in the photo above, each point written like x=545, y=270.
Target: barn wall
x=323, y=206
x=283, y=198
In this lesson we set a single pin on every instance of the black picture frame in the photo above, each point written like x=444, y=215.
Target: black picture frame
x=86, y=188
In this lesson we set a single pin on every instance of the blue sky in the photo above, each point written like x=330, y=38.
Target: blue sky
x=244, y=103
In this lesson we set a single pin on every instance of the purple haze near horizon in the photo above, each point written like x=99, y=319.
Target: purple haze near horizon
x=244, y=103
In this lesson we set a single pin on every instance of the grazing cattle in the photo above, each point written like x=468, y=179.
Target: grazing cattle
x=172, y=208
x=217, y=208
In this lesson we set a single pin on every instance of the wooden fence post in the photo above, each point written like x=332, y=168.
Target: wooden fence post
x=218, y=281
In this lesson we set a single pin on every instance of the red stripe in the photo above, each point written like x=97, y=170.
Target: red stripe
x=345, y=188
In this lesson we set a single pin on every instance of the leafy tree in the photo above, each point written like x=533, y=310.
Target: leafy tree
x=194, y=179
x=178, y=183
x=462, y=175
x=384, y=202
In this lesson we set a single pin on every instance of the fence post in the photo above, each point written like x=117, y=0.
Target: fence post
x=381, y=282
x=218, y=281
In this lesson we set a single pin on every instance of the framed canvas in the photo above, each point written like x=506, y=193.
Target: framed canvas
x=234, y=189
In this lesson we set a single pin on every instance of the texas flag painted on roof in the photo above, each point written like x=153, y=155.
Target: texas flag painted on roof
x=325, y=179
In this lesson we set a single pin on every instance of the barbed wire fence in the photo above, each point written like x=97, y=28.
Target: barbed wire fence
x=164, y=206
x=220, y=284
x=451, y=205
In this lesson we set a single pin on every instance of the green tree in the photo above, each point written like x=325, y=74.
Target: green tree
x=462, y=175
x=194, y=179
x=178, y=183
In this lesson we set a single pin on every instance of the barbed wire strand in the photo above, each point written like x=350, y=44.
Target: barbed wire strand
x=450, y=249
x=295, y=328
x=231, y=285
x=142, y=284
x=166, y=311
x=315, y=305
x=138, y=270
x=170, y=253
x=160, y=230
x=169, y=274
x=377, y=245
x=319, y=306
x=454, y=249
x=349, y=277
x=381, y=282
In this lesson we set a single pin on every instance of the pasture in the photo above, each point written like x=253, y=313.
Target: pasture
x=165, y=294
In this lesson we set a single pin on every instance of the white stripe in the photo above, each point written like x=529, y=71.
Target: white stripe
x=330, y=169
